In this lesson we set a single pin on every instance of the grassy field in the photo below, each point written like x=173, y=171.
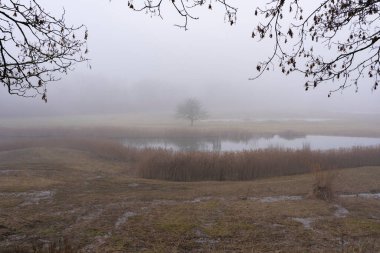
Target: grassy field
x=166, y=125
x=99, y=205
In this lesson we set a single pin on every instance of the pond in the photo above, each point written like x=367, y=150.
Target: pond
x=314, y=142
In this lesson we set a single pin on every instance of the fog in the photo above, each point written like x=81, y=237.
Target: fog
x=146, y=64
x=122, y=158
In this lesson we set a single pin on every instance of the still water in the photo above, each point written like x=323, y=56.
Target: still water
x=315, y=142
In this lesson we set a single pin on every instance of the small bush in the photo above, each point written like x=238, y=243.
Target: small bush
x=323, y=184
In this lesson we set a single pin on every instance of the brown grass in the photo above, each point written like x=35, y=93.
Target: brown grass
x=323, y=183
x=60, y=246
x=101, y=147
x=178, y=217
x=248, y=165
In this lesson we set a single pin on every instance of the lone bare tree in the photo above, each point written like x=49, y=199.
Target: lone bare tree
x=302, y=31
x=35, y=47
x=191, y=110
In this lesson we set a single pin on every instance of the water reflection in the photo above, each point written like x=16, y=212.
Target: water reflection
x=314, y=142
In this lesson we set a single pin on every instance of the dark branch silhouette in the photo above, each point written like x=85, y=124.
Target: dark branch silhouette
x=184, y=9
x=36, y=46
x=336, y=41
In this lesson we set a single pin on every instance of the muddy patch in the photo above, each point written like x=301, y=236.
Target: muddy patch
x=12, y=239
x=276, y=225
x=98, y=242
x=362, y=195
x=207, y=241
x=133, y=185
x=158, y=202
x=9, y=172
x=31, y=198
x=199, y=199
x=340, y=211
x=204, y=239
x=272, y=199
x=306, y=222
x=124, y=218
x=34, y=198
x=92, y=215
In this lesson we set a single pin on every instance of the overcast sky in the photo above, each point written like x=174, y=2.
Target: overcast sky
x=141, y=63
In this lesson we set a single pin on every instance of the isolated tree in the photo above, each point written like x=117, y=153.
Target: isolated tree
x=35, y=47
x=324, y=40
x=191, y=110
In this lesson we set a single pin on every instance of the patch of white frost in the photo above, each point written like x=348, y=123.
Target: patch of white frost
x=31, y=198
x=340, y=211
x=124, y=218
x=306, y=222
x=362, y=195
x=272, y=199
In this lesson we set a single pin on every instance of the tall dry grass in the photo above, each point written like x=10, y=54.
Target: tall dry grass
x=100, y=147
x=248, y=165
x=197, y=166
x=323, y=183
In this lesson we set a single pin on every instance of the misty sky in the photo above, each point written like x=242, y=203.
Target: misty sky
x=141, y=63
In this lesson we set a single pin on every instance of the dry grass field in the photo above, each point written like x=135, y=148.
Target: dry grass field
x=84, y=202
x=115, y=125
x=65, y=189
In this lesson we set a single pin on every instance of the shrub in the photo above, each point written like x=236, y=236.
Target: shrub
x=323, y=183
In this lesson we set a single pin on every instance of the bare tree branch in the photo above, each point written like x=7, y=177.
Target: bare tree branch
x=183, y=8
x=36, y=46
x=348, y=29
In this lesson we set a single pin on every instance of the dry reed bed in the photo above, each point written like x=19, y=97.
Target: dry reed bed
x=199, y=166
x=248, y=165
